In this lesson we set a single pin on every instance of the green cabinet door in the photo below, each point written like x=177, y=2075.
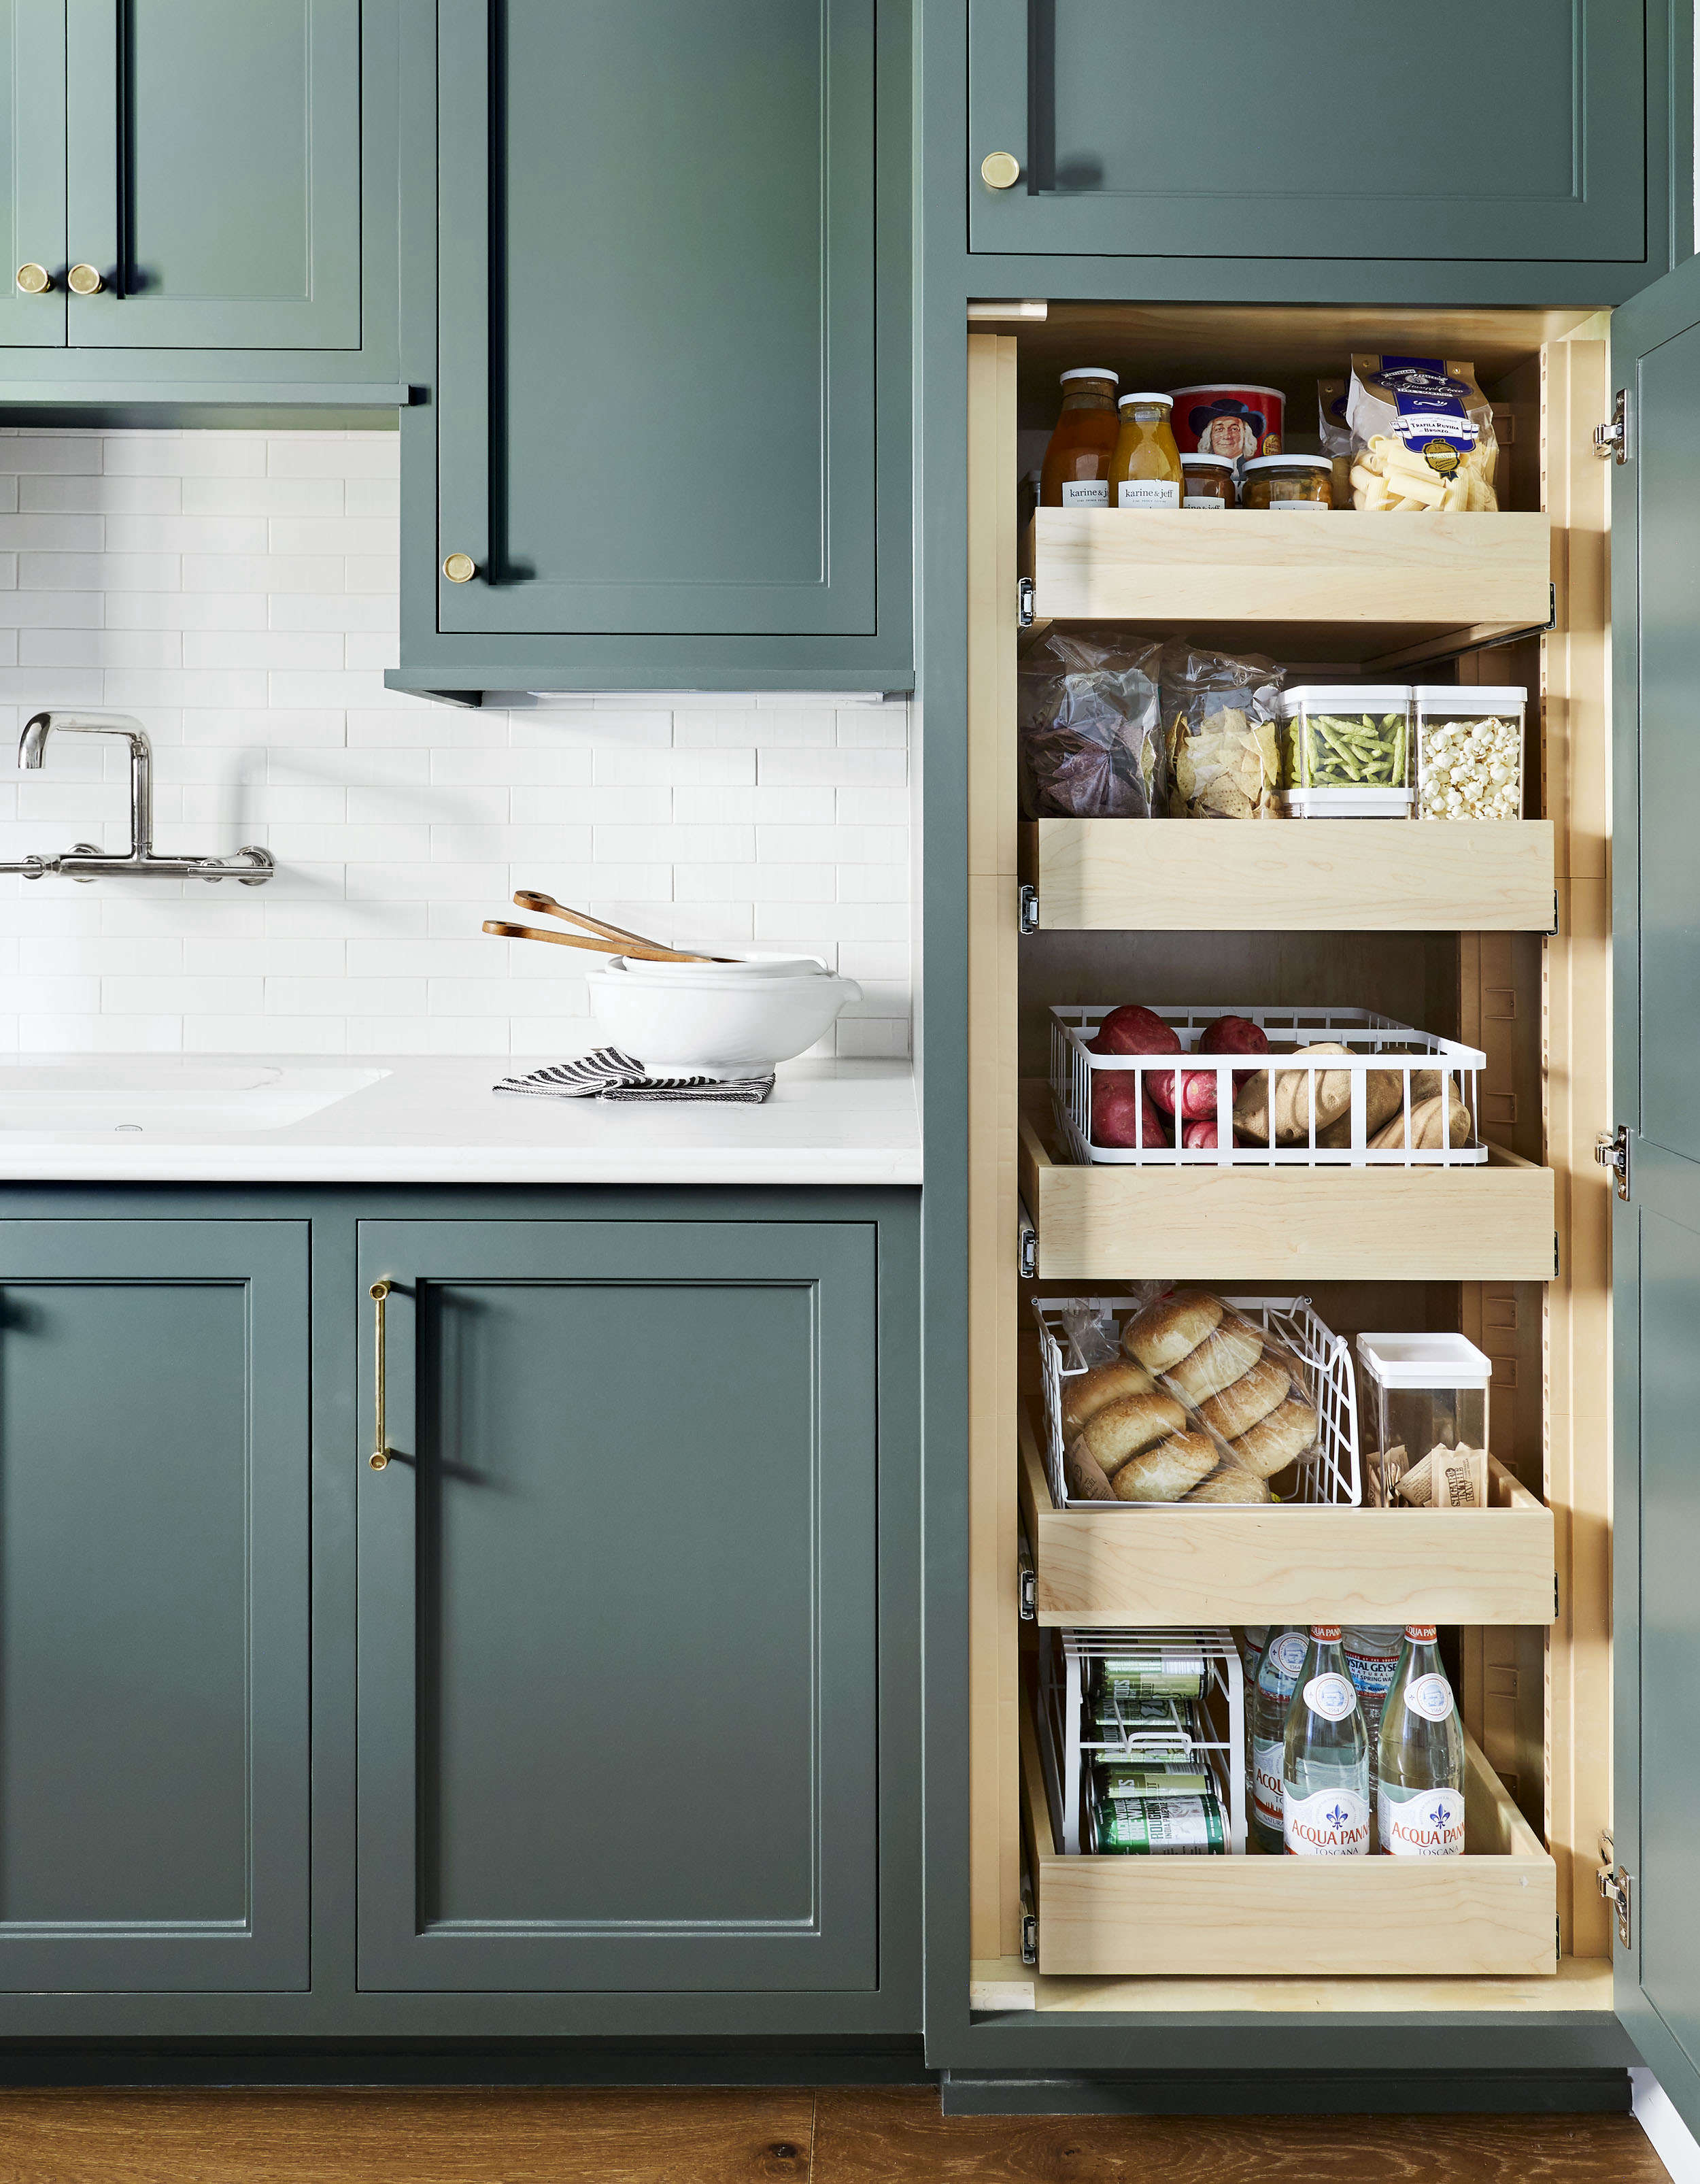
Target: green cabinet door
x=656, y=317
x=153, y=1606
x=617, y=1606
x=1270, y=129
x=32, y=171
x=215, y=173
x=1656, y=1235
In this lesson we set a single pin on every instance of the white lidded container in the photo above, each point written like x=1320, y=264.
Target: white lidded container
x=1469, y=751
x=1346, y=750
x=719, y=1020
x=1419, y=1391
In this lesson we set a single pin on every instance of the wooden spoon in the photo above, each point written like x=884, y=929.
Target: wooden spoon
x=545, y=905
x=503, y=931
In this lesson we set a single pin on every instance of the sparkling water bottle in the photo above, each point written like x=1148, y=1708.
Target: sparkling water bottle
x=1325, y=1778
x=1419, y=1810
x=1277, y=1679
x=1372, y=1654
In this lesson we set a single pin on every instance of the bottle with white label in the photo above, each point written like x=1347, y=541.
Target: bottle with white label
x=1325, y=1776
x=1145, y=470
x=1077, y=462
x=1420, y=1803
x=1372, y=1653
x=1277, y=1679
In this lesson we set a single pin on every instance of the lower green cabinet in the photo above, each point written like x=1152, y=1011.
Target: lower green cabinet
x=617, y=1607
x=153, y=1604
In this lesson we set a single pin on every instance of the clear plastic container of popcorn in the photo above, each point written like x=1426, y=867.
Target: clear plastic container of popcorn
x=1470, y=752
x=1419, y=1394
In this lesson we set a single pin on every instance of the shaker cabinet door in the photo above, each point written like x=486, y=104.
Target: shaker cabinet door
x=616, y=1707
x=215, y=173
x=32, y=174
x=1273, y=129
x=656, y=323
x=153, y=1606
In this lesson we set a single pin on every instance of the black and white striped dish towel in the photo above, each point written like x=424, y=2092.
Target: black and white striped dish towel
x=609, y=1074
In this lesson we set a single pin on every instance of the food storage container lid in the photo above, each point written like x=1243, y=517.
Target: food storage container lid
x=1425, y=1361
x=1327, y=801
x=1230, y=386
x=738, y=971
x=1207, y=462
x=1478, y=698
x=1167, y=400
x=1344, y=697
x=1323, y=463
x=1091, y=371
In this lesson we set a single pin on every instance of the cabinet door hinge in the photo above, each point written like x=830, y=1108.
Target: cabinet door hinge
x=1611, y=1150
x=1024, y=601
x=1612, y=439
x=1616, y=1886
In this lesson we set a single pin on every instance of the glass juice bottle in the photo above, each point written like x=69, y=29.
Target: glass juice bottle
x=1420, y=1805
x=1145, y=470
x=1325, y=1777
x=1271, y=1697
x=1076, y=468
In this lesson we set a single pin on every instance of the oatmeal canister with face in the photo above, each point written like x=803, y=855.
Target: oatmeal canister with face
x=1223, y=418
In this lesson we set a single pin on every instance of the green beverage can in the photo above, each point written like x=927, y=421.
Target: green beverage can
x=1121, y=1778
x=1143, y=1717
x=1166, y=1672
x=1156, y=1827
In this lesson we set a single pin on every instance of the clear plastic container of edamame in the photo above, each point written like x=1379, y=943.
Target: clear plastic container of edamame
x=1346, y=736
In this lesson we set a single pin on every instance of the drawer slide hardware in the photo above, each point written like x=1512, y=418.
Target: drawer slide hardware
x=1024, y=601
x=1026, y=1579
x=1027, y=910
x=1029, y=1924
x=1611, y=1150
x=1026, y=1245
x=1612, y=439
x=1616, y=1886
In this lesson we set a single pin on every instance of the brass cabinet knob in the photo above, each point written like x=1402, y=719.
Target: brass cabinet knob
x=84, y=280
x=1000, y=170
x=459, y=568
x=34, y=280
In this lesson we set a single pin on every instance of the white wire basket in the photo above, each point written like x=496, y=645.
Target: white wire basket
x=1377, y=1044
x=1331, y=1474
x=1069, y=1740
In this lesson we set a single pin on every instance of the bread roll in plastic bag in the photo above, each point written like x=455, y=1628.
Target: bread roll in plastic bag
x=1090, y=725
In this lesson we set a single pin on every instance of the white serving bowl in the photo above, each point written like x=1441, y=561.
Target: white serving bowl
x=726, y=1027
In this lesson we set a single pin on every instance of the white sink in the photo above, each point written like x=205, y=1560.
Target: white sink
x=142, y=1094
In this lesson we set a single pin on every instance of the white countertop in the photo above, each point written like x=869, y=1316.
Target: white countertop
x=436, y=1120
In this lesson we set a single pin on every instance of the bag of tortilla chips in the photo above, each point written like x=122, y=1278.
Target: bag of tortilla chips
x=1221, y=741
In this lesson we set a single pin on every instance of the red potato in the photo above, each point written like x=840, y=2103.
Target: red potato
x=1227, y=1035
x=1133, y=1030
x=1234, y=1035
x=1121, y=1114
x=1200, y=1133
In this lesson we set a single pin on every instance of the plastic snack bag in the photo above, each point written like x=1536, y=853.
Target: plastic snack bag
x=1090, y=724
x=1422, y=436
x=1222, y=745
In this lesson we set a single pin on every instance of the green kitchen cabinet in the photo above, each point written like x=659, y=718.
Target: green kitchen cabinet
x=618, y=1608
x=153, y=1606
x=657, y=273
x=1532, y=133
x=209, y=192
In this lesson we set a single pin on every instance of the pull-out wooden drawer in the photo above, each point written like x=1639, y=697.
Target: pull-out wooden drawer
x=1493, y=1910
x=1110, y=1568
x=1489, y=1223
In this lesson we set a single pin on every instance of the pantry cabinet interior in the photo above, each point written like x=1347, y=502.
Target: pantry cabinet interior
x=1494, y=934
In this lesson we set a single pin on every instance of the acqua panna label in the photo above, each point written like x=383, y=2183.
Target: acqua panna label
x=1329, y=1824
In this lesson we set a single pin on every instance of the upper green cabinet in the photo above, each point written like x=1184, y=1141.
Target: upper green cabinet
x=199, y=197
x=668, y=438
x=1248, y=129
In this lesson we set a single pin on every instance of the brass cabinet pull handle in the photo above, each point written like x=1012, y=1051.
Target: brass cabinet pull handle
x=33, y=279
x=379, y=1457
x=459, y=568
x=84, y=280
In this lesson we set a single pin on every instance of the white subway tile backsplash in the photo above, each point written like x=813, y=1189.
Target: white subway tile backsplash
x=238, y=591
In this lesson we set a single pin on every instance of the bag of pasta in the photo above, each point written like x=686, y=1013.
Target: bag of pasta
x=1422, y=436
x=1221, y=745
x=1091, y=728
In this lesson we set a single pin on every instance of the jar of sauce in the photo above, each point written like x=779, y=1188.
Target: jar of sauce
x=1207, y=481
x=1076, y=468
x=1287, y=481
x=1145, y=470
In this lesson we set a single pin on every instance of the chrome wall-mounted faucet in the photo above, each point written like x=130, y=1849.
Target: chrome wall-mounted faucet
x=251, y=865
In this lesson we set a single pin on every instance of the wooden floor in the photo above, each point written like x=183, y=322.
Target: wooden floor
x=842, y=2136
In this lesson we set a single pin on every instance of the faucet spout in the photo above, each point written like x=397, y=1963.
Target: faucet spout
x=32, y=746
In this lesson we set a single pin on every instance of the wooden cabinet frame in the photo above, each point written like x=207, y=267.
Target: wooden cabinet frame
x=1536, y=1702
